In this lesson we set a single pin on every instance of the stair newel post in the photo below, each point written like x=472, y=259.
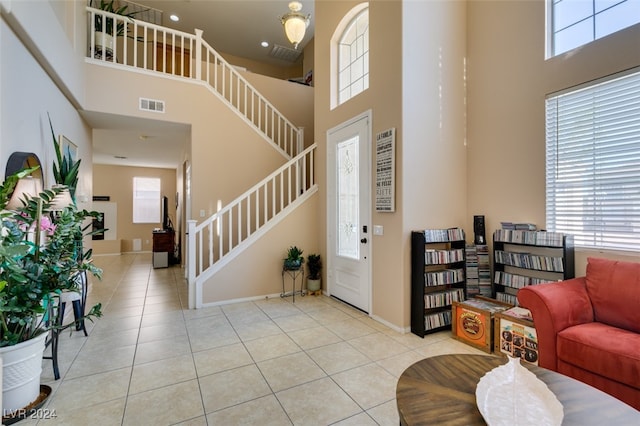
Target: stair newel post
x=198, y=54
x=191, y=263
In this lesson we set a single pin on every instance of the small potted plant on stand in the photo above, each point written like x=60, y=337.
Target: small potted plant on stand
x=294, y=259
x=314, y=280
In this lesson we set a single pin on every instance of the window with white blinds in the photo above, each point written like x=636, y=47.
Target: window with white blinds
x=146, y=200
x=593, y=163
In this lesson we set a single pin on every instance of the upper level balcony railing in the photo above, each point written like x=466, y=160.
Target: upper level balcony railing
x=122, y=41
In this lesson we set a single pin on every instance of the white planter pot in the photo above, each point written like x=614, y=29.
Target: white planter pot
x=313, y=285
x=21, y=368
x=103, y=43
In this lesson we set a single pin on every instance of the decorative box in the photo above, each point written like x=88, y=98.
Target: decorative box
x=472, y=321
x=516, y=335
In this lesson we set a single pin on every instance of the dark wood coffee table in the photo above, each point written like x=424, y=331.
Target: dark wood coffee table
x=442, y=390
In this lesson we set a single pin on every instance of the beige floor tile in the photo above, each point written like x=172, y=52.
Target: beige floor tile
x=198, y=421
x=162, y=373
x=101, y=360
x=161, y=349
x=449, y=346
x=192, y=314
x=162, y=331
x=108, y=325
x=232, y=387
x=265, y=411
x=310, y=338
x=290, y=370
x=167, y=405
x=361, y=419
x=162, y=307
x=328, y=314
x=109, y=340
x=208, y=338
x=378, y=346
x=385, y=414
x=320, y=402
x=90, y=390
x=255, y=330
x=151, y=319
x=338, y=357
x=398, y=363
x=295, y=322
x=271, y=347
x=104, y=414
x=369, y=385
x=221, y=359
x=350, y=329
x=276, y=308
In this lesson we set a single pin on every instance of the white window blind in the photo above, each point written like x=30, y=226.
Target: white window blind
x=593, y=164
x=146, y=200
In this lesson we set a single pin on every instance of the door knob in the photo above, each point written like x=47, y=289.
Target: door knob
x=363, y=241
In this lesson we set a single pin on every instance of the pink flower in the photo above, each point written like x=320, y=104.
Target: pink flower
x=47, y=225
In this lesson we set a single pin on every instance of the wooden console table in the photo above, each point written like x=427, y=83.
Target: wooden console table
x=442, y=390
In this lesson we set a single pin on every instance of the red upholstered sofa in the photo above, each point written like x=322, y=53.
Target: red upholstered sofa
x=589, y=327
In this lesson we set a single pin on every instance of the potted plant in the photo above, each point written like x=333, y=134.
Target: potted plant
x=105, y=27
x=38, y=261
x=294, y=259
x=314, y=283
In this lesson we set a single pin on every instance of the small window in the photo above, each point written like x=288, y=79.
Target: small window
x=352, y=55
x=574, y=23
x=146, y=200
x=593, y=158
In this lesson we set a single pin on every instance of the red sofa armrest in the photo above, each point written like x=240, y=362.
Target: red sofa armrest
x=554, y=307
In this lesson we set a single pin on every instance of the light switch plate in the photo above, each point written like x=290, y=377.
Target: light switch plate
x=378, y=230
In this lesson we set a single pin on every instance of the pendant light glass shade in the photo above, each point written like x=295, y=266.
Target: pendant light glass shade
x=295, y=23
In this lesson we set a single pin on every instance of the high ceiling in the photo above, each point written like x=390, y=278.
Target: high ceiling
x=236, y=27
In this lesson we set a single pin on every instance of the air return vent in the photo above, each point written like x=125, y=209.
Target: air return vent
x=284, y=53
x=151, y=105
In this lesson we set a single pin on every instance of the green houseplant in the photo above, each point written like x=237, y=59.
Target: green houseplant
x=39, y=259
x=294, y=259
x=314, y=263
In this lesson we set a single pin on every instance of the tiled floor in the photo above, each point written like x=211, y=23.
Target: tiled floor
x=148, y=361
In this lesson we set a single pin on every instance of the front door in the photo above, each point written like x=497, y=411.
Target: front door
x=349, y=212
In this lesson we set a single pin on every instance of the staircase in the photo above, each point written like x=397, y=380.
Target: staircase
x=216, y=241
x=150, y=47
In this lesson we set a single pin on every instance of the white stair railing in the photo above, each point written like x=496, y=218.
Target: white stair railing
x=220, y=238
x=121, y=41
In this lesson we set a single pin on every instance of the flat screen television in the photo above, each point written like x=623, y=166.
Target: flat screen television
x=166, y=222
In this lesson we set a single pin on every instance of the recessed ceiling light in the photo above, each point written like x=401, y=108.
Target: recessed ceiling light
x=174, y=17
x=119, y=157
x=264, y=44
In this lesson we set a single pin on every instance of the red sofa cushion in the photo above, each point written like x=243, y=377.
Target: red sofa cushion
x=614, y=290
x=602, y=349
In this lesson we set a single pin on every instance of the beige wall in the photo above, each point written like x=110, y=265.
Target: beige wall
x=275, y=71
x=293, y=100
x=508, y=79
x=29, y=94
x=117, y=183
x=416, y=55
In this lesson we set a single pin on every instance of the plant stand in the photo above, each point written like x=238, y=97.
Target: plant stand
x=294, y=274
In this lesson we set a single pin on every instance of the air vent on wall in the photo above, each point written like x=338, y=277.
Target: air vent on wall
x=284, y=53
x=151, y=105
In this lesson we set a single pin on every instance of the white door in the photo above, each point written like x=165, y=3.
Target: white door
x=349, y=212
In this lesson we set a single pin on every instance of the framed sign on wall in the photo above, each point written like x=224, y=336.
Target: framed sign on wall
x=385, y=171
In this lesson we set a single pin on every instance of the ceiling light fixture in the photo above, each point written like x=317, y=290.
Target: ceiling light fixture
x=295, y=23
x=264, y=44
x=174, y=17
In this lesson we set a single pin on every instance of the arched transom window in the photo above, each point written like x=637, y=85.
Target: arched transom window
x=353, y=55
